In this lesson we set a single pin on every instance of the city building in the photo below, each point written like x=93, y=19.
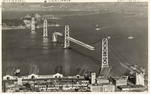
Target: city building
x=120, y=80
x=102, y=88
x=44, y=76
x=102, y=80
x=93, y=78
x=57, y=75
x=9, y=74
x=139, y=79
x=128, y=88
x=79, y=76
x=19, y=79
x=108, y=88
x=96, y=88
x=84, y=82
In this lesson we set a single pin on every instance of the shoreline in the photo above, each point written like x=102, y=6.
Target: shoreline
x=16, y=28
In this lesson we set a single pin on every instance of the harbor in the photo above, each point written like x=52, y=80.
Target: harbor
x=97, y=52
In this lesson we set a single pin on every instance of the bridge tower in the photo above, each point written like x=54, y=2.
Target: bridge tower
x=33, y=24
x=105, y=69
x=104, y=53
x=66, y=41
x=45, y=33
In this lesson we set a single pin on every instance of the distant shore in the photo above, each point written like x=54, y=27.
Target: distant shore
x=12, y=28
x=23, y=27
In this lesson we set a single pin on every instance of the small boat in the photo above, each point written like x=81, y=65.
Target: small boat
x=130, y=37
x=98, y=29
x=108, y=37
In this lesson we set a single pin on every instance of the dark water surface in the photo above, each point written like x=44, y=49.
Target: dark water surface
x=23, y=47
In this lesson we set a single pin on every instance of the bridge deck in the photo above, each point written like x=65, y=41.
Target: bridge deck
x=80, y=43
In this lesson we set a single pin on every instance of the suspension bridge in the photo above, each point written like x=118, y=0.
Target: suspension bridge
x=104, y=68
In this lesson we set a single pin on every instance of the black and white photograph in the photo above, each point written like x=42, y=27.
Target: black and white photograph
x=72, y=46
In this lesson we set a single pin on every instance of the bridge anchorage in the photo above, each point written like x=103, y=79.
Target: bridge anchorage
x=54, y=36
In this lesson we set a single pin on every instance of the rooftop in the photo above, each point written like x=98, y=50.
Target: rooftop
x=120, y=78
